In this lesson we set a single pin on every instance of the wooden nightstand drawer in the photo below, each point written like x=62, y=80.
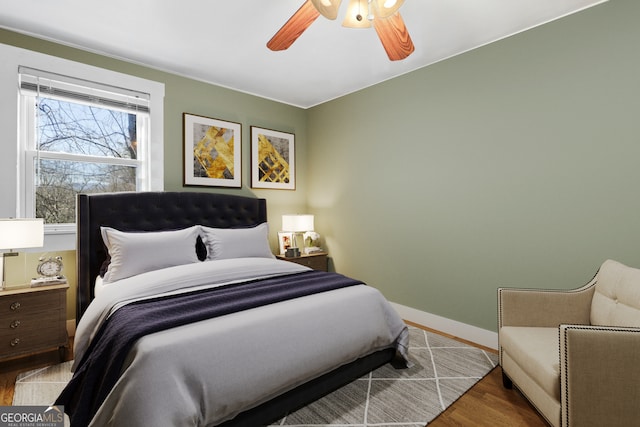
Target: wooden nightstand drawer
x=32, y=320
x=20, y=322
x=317, y=261
x=29, y=303
x=34, y=338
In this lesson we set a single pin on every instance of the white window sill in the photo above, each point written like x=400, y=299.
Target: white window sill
x=59, y=237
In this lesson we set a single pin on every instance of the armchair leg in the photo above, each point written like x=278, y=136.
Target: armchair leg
x=506, y=381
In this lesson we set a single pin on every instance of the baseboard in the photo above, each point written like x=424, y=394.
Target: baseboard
x=448, y=326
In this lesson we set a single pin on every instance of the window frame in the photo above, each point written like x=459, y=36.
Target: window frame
x=12, y=164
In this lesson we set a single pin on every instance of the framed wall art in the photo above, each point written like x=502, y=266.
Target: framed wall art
x=212, y=152
x=273, y=157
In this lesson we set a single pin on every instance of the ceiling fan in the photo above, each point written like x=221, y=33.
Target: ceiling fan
x=383, y=14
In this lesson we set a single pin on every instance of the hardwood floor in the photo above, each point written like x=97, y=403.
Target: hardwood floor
x=489, y=404
x=486, y=404
x=10, y=369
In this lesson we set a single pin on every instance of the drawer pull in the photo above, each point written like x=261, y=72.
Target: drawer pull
x=15, y=324
x=15, y=306
x=15, y=342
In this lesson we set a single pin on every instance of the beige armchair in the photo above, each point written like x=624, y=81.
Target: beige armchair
x=575, y=355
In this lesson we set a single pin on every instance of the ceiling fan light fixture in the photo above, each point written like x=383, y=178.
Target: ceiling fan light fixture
x=391, y=29
x=386, y=8
x=357, y=9
x=327, y=8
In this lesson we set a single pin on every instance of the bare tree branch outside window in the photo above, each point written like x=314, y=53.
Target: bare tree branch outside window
x=82, y=130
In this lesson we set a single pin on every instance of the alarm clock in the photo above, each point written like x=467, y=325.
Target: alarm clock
x=50, y=266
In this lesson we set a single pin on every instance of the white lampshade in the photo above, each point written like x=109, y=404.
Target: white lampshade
x=297, y=223
x=21, y=233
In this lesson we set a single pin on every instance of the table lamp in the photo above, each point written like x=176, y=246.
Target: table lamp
x=19, y=233
x=296, y=224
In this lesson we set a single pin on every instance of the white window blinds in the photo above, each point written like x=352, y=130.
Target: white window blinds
x=58, y=86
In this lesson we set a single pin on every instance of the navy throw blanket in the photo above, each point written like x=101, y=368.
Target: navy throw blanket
x=101, y=365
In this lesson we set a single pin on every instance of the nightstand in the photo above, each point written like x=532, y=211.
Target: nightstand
x=33, y=320
x=316, y=261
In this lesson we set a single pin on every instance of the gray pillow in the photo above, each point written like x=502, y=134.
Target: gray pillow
x=135, y=253
x=225, y=243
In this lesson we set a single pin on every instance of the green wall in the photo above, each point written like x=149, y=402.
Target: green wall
x=514, y=164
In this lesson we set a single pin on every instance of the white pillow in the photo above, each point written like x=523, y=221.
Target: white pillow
x=139, y=252
x=224, y=243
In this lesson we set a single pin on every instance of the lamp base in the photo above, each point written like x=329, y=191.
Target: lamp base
x=3, y=255
x=292, y=252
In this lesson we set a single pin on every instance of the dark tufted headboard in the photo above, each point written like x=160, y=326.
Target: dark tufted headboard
x=150, y=211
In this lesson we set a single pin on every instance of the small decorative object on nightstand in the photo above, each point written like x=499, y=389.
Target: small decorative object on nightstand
x=317, y=261
x=33, y=320
x=311, y=242
x=50, y=271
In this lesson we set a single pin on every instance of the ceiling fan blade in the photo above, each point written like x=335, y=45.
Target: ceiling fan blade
x=294, y=27
x=394, y=36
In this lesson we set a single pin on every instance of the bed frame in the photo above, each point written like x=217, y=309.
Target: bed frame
x=155, y=211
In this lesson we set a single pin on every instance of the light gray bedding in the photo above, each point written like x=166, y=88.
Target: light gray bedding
x=207, y=372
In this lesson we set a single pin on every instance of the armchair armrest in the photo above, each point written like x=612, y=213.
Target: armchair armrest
x=544, y=308
x=599, y=375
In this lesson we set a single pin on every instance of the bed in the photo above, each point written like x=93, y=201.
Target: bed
x=250, y=365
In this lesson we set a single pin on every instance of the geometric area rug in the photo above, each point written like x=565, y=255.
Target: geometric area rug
x=444, y=369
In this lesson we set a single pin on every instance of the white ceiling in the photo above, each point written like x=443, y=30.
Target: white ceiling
x=224, y=41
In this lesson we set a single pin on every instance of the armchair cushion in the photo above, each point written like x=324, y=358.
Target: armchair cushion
x=537, y=351
x=616, y=301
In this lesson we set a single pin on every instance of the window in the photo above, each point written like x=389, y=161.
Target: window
x=79, y=136
x=75, y=83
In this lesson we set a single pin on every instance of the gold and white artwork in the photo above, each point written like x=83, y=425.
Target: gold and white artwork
x=272, y=159
x=212, y=152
